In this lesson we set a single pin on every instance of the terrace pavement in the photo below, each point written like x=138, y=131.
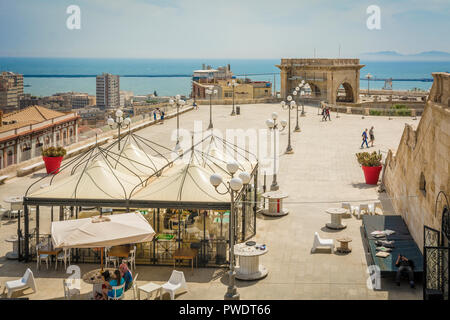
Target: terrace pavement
x=322, y=173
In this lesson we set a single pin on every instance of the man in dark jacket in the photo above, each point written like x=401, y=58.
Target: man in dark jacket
x=404, y=265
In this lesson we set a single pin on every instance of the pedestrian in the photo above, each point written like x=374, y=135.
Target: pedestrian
x=324, y=114
x=328, y=113
x=364, y=139
x=154, y=115
x=195, y=106
x=162, y=116
x=372, y=136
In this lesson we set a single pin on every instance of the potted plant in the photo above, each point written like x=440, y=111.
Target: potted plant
x=371, y=165
x=53, y=157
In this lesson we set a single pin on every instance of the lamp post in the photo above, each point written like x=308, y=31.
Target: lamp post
x=233, y=84
x=300, y=91
x=119, y=122
x=273, y=125
x=210, y=92
x=234, y=185
x=289, y=105
x=368, y=76
x=179, y=102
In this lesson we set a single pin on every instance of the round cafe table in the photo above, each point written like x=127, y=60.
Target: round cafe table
x=249, y=267
x=275, y=199
x=94, y=277
x=336, y=218
x=344, y=248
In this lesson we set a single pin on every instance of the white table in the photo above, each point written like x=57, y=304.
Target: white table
x=275, y=208
x=249, y=267
x=336, y=218
x=16, y=204
x=149, y=288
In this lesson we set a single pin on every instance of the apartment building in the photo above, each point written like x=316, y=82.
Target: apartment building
x=108, y=91
x=11, y=88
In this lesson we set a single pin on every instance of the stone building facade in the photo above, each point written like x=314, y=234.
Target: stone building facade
x=420, y=168
x=324, y=76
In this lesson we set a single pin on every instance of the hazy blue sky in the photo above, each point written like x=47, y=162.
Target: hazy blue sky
x=218, y=29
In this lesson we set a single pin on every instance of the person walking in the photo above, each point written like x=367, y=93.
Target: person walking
x=154, y=115
x=372, y=136
x=324, y=114
x=328, y=113
x=364, y=139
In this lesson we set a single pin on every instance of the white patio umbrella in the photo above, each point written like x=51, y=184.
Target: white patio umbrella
x=99, y=232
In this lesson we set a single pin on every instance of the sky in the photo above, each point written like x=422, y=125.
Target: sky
x=259, y=29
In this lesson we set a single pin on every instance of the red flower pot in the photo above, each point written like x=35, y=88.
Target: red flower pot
x=372, y=174
x=52, y=164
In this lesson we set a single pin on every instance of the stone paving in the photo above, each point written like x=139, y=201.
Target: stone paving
x=322, y=173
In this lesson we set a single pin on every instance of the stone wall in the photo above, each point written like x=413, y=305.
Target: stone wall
x=420, y=168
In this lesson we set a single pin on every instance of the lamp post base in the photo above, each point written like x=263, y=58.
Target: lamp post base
x=210, y=126
x=231, y=295
x=274, y=187
x=289, y=150
x=297, y=129
x=302, y=114
x=233, y=113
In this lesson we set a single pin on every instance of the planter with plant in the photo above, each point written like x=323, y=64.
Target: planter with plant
x=371, y=165
x=53, y=157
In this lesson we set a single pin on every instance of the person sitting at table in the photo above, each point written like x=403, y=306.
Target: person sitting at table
x=126, y=274
x=117, y=281
x=106, y=277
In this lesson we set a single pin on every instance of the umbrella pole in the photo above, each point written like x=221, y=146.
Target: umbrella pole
x=101, y=258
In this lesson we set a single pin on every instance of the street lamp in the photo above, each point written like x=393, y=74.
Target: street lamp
x=289, y=105
x=300, y=90
x=119, y=122
x=179, y=102
x=368, y=76
x=233, y=84
x=273, y=125
x=234, y=185
x=210, y=92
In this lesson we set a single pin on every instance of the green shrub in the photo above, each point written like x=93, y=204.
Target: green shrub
x=399, y=106
x=375, y=112
x=367, y=159
x=54, y=152
x=404, y=112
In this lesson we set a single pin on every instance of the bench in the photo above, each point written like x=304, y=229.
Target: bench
x=3, y=179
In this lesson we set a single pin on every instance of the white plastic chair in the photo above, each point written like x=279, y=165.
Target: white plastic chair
x=71, y=289
x=134, y=285
x=365, y=208
x=347, y=206
x=132, y=258
x=41, y=257
x=109, y=259
x=63, y=256
x=115, y=289
x=176, y=282
x=373, y=207
x=319, y=242
x=27, y=281
x=357, y=211
x=16, y=209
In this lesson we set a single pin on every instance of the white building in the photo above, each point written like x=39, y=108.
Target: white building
x=108, y=91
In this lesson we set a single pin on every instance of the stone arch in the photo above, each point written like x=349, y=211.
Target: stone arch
x=344, y=92
x=315, y=90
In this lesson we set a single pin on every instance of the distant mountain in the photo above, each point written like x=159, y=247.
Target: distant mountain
x=394, y=55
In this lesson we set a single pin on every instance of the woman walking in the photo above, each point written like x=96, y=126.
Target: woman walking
x=372, y=136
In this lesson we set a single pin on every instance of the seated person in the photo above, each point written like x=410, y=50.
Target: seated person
x=126, y=274
x=405, y=265
x=117, y=281
x=106, y=277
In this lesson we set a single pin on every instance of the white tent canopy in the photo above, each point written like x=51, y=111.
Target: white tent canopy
x=98, y=181
x=134, y=160
x=188, y=182
x=96, y=233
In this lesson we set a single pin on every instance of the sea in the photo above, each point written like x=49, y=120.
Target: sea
x=168, y=77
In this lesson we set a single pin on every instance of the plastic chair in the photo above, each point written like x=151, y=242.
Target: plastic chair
x=319, y=242
x=116, y=289
x=27, y=281
x=347, y=206
x=134, y=285
x=41, y=257
x=357, y=211
x=132, y=258
x=109, y=259
x=71, y=289
x=63, y=256
x=176, y=282
x=365, y=208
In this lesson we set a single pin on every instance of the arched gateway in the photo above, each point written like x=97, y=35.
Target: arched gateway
x=335, y=80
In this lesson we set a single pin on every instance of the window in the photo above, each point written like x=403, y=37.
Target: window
x=423, y=185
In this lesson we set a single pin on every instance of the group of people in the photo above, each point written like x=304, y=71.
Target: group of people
x=118, y=278
x=365, y=137
x=326, y=113
x=159, y=112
